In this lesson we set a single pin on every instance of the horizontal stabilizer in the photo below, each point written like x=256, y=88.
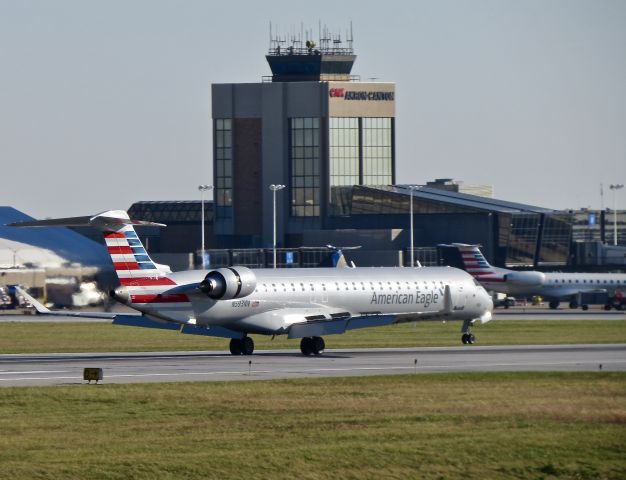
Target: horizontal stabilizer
x=111, y=218
x=42, y=310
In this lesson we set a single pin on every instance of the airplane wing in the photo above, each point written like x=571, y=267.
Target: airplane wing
x=570, y=292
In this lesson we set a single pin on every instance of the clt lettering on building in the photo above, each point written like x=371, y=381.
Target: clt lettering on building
x=361, y=95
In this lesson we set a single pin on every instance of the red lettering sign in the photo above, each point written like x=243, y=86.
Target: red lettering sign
x=336, y=92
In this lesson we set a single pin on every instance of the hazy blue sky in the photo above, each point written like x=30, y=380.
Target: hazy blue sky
x=106, y=103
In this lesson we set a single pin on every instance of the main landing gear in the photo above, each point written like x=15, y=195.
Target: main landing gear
x=312, y=346
x=241, y=346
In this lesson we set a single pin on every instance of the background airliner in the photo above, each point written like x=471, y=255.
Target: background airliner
x=554, y=286
x=303, y=303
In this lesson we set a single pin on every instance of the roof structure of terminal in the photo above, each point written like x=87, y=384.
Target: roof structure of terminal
x=466, y=200
x=171, y=211
x=299, y=57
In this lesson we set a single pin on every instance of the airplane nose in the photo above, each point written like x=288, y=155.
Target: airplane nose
x=486, y=299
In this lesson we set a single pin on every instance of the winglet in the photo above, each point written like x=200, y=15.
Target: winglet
x=38, y=306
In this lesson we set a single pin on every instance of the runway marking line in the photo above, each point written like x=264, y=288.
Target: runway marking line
x=421, y=368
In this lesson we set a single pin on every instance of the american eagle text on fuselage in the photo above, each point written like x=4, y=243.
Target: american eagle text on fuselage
x=418, y=298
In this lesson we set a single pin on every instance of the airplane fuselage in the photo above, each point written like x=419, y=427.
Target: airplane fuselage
x=285, y=297
x=559, y=285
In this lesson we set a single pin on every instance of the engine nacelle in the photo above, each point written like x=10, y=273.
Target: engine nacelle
x=228, y=283
x=525, y=279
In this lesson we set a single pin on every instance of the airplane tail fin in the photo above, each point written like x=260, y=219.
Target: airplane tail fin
x=132, y=263
x=468, y=258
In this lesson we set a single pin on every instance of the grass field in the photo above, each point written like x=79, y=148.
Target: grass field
x=100, y=337
x=439, y=426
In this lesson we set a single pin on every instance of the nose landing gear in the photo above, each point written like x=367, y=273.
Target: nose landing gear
x=467, y=338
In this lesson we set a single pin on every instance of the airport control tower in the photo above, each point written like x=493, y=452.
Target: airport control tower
x=312, y=126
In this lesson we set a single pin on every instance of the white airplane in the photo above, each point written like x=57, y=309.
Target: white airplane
x=303, y=303
x=554, y=286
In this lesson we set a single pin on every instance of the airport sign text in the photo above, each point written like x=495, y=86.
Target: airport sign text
x=360, y=94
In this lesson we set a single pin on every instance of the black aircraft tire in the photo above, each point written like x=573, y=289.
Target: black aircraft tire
x=554, y=304
x=306, y=346
x=464, y=339
x=247, y=346
x=235, y=346
x=318, y=345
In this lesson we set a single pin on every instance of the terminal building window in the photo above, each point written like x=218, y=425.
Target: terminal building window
x=377, y=151
x=223, y=168
x=344, y=151
x=304, y=153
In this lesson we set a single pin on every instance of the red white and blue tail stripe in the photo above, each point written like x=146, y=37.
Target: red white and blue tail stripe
x=477, y=265
x=144, y=279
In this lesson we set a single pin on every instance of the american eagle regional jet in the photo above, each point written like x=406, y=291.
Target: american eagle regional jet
x=303, y=303
x=554, y=286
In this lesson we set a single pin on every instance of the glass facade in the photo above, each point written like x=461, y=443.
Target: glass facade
x=223, y=154
x=555, y=238
x=304, y=159
x=343, y=147
x=360, y=153
x=173, y=212
x=377, y=151
x=522, y=238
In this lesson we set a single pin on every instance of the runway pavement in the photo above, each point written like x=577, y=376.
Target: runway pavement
x=67, y=369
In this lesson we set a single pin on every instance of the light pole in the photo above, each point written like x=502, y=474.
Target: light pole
x=203, y=188
x=412, y=188
x=615, y=187
x=274, y=189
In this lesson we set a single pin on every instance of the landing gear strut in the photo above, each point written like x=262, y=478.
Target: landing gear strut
x=312, y=346
x=467, y=338
x=241, y=346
